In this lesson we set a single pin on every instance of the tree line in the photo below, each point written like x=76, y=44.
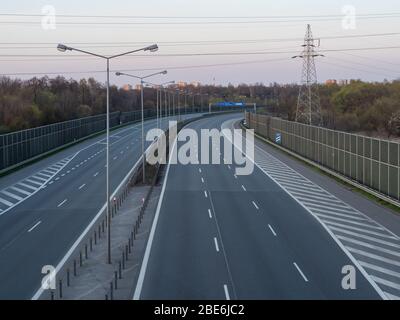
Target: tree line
x=370, y=108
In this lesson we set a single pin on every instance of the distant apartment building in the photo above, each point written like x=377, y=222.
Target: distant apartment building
x=127, y=87
x=341, y=82
x=195, y=84
x=330, y=82
x=181, y=84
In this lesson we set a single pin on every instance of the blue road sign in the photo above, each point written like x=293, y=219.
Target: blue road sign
x=278, y=137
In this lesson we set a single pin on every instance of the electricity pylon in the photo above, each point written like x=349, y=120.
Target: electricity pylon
x=308, y=103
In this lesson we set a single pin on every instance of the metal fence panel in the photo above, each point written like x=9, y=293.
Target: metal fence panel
x=394, y=182
x=384, y=178
x=384, y=151
x=19, y=146
x=375, y=174
x=372, y=162
x=394, y=154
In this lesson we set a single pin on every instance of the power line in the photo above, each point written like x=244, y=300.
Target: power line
x=195, y=17
x=215, y=22
x=364, y=64
x=42, y=45
x=211, y=53
x=371, y=59
x=146, y=69
x=356, y=69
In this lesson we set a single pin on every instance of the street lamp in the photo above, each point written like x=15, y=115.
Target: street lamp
x=64, y=48
x=141, y=98
x=159, y=98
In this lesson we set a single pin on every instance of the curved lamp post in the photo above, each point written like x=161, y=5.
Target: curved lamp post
x=142, y=82
x=64, y=48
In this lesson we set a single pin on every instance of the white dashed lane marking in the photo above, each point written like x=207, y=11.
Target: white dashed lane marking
x=13, y=195
x=255, y=205
x=62, y=203
x=373, y=246
x=301, y=272
x=37, y=223
x=227, y=297
x=216, y=244
x=272, y=230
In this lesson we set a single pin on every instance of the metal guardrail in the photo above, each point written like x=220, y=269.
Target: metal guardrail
x=369, y=163
x=19, y=147
x=76, y=257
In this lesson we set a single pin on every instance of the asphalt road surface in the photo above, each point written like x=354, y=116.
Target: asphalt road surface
x=217, y=235
x=46, y=206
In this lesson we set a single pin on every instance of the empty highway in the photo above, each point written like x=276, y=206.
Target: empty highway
x=45, y=207
x=273, y=234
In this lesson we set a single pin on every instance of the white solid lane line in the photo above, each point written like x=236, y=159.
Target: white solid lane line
x=301, y=272
x=386, y=282
x=209, y=213
x=63, y=202
x=45, y=174
x=7, y=203
x=37, y=223
x=391, y=296
x=216, y=244
x=27, y=186
x=33, y=182
x=331, y=223
x=12, y=195
x=39, y=178
x=272, y=230
x=368, y=245
x=255, y=205
x=21, y=191
x=82, y=186
x=49, y=172
x=363, y=236
x=226, y=292
x=380, y=269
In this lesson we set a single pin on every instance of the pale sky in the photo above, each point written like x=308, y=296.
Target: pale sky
x=27, y=48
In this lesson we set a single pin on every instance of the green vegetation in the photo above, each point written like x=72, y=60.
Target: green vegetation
x=370, y=108
x=36, y=102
